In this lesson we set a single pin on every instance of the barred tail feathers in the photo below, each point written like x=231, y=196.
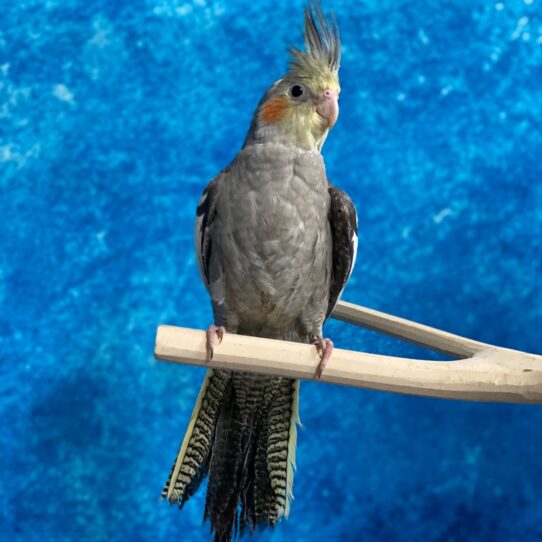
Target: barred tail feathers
x=243, y=434
x=282, y=443
x=292, y=447
x=191, y=464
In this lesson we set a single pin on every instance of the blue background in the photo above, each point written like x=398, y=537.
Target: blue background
x=113, y=117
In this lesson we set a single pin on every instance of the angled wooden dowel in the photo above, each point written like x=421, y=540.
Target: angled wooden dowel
x=486, y=372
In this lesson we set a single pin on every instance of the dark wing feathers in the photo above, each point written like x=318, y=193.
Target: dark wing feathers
x=206, y=213
x=344, y=231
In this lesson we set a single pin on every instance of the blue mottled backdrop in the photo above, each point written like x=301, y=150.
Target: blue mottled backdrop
x=113, y=117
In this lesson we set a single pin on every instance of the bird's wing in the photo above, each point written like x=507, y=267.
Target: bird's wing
x=344, y=231
x=205, y=216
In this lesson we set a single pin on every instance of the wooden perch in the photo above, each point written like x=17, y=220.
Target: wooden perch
x=486, y=372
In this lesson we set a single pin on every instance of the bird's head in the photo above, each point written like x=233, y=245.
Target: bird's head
x=301, y=107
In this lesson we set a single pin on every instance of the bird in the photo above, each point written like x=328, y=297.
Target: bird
x=276, y=243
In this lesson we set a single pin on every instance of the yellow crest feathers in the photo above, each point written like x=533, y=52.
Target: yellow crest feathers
x=322, y=53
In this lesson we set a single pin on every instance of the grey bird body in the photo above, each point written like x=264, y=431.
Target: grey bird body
x=271, y=268
x=275, y=243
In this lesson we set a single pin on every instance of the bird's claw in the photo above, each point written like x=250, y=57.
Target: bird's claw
x=325, y=349
x=214, y=334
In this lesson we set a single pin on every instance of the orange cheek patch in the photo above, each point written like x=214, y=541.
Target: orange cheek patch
x=274, y=110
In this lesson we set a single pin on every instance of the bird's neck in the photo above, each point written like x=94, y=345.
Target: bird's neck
x=274, y=166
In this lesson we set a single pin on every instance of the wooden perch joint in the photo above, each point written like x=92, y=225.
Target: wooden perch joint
x=485, y=372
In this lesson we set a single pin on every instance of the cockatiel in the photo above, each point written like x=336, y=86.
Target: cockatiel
x=276, y=243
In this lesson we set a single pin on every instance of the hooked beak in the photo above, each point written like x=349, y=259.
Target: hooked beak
x=327, y=106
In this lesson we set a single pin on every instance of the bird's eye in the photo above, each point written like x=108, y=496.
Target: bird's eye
x=296, y=91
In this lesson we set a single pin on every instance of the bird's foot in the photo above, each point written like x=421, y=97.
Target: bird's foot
x=215, y=334
x=325, y=349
